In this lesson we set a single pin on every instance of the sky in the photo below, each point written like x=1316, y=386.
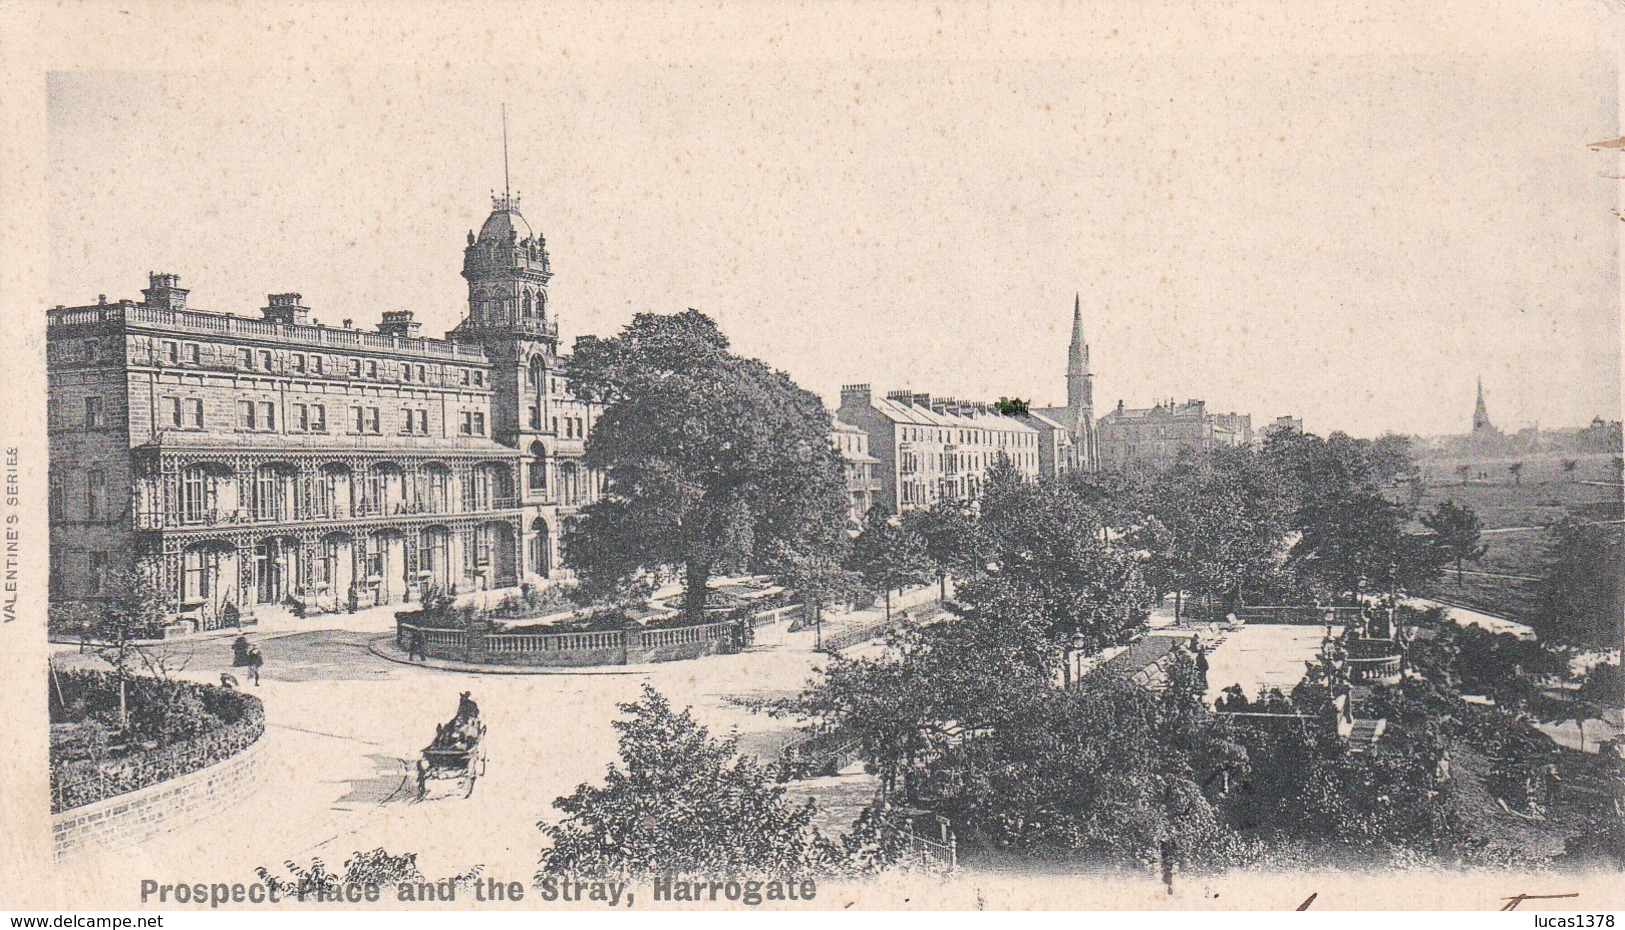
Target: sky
x=1348, y=232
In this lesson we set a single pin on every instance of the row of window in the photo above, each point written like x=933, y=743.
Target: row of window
x=190, y=353
x=90, y=413
x=96, y=578
x=260, y=416
x=966, y=436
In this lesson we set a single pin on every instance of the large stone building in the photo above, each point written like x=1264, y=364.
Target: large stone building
x=1154, y=437
x=1079, y=448
x=278, y=461
x=935, y=449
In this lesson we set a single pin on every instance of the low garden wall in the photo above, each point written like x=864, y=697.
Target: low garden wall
x=112, y=797
x=603, y=647
x=127, y=819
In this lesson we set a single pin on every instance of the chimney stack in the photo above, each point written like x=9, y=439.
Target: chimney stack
x=399, y=323
x=164, y=292
x=285, y=308
x=855, y=395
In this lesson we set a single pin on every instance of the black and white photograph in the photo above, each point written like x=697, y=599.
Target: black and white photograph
x=631, y=457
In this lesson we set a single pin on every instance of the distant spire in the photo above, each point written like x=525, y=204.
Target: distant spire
x=1481, y=413
x=507, y=193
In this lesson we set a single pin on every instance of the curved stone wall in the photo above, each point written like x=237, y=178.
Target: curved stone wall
x=134, y=817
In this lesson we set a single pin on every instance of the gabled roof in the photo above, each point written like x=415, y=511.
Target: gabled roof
x=1063, y=418
x=915, y=415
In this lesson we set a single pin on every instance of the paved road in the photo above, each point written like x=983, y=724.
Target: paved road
x=344, y=727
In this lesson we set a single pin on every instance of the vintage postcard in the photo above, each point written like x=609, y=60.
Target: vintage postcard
x=623, y=456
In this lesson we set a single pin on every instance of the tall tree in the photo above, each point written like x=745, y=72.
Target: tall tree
x=1050, y=565
x=1581, y=598
x=1352, y=543
x=711, y=460
x=889, y=555
x=1458, y=531
x=951, y=535
x=1226, y=519
x=1392, y=455
x=820, y=578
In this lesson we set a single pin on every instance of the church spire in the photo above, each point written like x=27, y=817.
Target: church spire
x=1079, y=394
x=1481, y=413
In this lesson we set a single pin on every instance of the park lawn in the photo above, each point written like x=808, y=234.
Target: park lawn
x=1545, y=495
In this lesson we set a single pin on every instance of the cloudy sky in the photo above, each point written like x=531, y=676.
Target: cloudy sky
x=1316, y=219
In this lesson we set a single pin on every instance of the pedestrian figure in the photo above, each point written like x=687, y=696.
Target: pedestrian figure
x=1554, y=782
x=255, y=660
x=229, y=616
x=1442, y=771
x=239, y=652
x=414, y=648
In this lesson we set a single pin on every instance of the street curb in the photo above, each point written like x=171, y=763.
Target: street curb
x=377, y=647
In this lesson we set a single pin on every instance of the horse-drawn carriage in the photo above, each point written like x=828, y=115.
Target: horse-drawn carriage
x=457, y=752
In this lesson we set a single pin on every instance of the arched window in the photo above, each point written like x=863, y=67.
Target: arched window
x=538, y=375
x=527, y=304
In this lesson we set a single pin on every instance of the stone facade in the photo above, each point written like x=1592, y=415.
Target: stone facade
x=1154, y=437
x=279, y=461
x=935, y=449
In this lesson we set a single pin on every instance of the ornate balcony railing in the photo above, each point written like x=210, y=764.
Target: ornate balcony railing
x=361, y=510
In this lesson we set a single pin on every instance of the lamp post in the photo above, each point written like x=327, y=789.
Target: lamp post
x=1072, y=668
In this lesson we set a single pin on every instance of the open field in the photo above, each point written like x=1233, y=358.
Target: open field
x=1514, y=513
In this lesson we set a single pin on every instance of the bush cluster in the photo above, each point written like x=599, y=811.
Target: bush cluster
x=172, y=728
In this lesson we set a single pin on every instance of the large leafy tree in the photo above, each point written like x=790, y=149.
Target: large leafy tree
x=1225, y=520
x=1053, y=569
x=681, y=802
x=889, y=555
x=1353, y=544
x=953, y=543
x=819, y=578
x=712, y=460
x=1581, y=594
x=1351, y=537
x=1458, y=531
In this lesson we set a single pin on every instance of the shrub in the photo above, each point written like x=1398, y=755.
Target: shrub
x=197, y=725
x=73, y=742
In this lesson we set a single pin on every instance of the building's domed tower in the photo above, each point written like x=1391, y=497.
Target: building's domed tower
x=507, y=270
x=532, y=409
